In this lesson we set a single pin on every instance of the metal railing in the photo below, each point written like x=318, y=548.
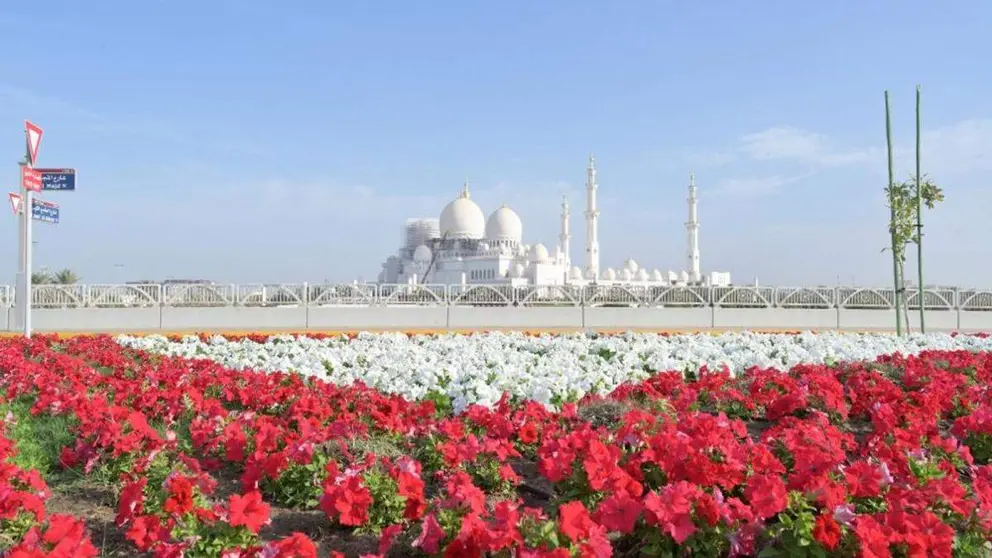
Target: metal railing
x=497, y=295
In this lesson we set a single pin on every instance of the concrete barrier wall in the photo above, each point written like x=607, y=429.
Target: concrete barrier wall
x=331, y=318
x=376, y=317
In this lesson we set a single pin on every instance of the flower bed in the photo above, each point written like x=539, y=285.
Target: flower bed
x=549, y=369
x=882, y=458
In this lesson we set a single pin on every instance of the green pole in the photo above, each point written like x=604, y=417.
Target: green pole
x=892, y=217
x=919, y=213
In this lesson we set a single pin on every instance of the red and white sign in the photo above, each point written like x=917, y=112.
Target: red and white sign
x=15, y=203
x=33, y=133
x=31, y=179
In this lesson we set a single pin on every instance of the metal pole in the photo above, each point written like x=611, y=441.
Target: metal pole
x=19, y=280
x=892, y=217
x=919, y=213
x=28, y=249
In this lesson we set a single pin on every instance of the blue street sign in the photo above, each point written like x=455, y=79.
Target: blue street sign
x=44, y=211
x=58, y=179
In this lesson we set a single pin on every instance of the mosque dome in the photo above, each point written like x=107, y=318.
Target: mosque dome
x=422, y=254
x=538, y=254
x=517, y=271
x=504, y=224
x=626, y=274
x=642, y=274
x=610, y=275
x=657, y=276
x=575, y=273
x=631, y=265
x=462, y=218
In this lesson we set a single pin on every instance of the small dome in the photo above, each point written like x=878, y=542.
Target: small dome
x=539, y=254
x=656, y=276
x=631, y=265
x=576, y=273
x=642, y=274
x=684, y=276
x=462, y=218
x=504, y=224
x=517, y=271
x=626, y=274
x=422, y=254
x=610, y=274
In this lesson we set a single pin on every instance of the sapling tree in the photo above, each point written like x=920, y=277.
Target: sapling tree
x=903, y=226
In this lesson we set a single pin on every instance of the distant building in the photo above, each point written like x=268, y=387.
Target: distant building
x=463, y=247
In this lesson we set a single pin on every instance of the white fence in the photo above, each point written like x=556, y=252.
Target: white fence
x=303, y=306
x=348, y=294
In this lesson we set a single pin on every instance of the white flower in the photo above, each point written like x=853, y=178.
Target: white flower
x=477, y=369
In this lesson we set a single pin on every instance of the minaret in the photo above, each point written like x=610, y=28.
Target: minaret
x=592, y=222
x=564, y=237
x=692, y=235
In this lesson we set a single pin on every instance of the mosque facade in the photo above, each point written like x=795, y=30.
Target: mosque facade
x=462, y=246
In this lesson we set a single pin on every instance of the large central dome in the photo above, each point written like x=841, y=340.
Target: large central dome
x=462, y=218
x=504, y=224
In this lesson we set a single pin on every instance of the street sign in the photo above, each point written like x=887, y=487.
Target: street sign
x=58, y=179
x=30, y=179
x=33, y=133
x=41, y=210
x=45, y=211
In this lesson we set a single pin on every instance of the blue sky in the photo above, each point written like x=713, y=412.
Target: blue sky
x=250, y=141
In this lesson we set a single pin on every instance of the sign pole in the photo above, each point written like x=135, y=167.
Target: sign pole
x=28, y=244
x=19, y=287
x=32, y=135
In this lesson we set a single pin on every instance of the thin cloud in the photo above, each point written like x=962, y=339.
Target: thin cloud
x=959, y=148
x=757, y=187
x=787, y=142
x=20, y=102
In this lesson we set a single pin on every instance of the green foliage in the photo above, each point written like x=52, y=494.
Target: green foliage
x=39, y=438
x=64, y=276
x=902, y=200
x=539, y=533
x=12, y=530
x=792, y=533
x=389, y=505
x=443, y=405
x=210, y=540
x=980, y=445
x=299, y=486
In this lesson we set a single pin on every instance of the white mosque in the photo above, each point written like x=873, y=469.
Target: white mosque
x=463, y=247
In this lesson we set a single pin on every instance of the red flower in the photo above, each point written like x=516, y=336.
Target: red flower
x=671, y=510
x=296, y=545
x=249, y=511
x=528, y=433
x=348, y=502
x=431, y=535
x=574, y=521
x=708, y=510
x=863, y=479
x=180, y=501
x=146, y=531
x=131, y=501
x=767, y=495
x=827, y=532
x=619, y=512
